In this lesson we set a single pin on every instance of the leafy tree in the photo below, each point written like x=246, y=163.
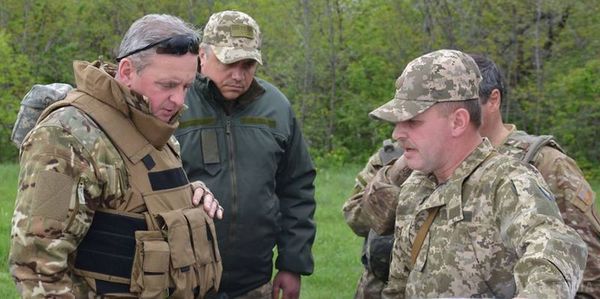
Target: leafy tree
x=14, y=78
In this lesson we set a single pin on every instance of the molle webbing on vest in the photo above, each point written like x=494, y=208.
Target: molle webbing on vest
x=109, y=245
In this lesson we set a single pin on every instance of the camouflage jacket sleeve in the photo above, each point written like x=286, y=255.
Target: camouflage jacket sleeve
x=352, y=207
x=51, y=213
x=380, y=197
x=550, y=255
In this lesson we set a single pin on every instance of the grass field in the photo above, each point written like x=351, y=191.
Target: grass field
x=336, y=249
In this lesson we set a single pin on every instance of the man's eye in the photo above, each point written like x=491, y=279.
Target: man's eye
x=168, y=85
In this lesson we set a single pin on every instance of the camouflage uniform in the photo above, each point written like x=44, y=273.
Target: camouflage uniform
x=497, y=234
x=377, y=248
x=492, y=229
x=70, y=169
x=574, y=197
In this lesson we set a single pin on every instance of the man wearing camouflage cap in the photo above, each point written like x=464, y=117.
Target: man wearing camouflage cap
x=240, y=137
x=469, y=222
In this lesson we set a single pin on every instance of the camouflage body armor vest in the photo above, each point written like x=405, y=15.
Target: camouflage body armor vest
x=155, y=243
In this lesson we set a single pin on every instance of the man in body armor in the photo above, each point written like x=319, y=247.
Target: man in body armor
x=104, y=207
x=573, y=194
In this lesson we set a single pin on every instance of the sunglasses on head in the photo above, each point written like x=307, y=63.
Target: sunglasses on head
x=175, y=45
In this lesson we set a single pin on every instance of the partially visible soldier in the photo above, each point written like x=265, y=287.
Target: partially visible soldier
x=469, y=222
x=376, y=248
x=574, y=196
x=104, y=207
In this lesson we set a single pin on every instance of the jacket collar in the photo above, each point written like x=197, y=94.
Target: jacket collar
x=450, y=192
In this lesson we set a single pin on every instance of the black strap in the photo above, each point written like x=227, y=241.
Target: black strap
x=109, y=246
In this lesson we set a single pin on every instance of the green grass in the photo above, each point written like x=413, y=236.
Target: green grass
x=8, y=191
x=336, y=249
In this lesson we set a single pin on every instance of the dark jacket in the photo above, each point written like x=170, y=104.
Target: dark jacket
x=250, y=152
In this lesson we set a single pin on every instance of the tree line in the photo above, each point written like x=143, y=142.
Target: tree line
x=336, y=60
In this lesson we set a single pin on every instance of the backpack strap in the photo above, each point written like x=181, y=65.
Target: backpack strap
x=423, y=230
x=536, y=143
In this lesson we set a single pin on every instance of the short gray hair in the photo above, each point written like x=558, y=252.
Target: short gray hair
x=150, y=29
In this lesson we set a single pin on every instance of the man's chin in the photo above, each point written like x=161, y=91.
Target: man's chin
x=231, y=95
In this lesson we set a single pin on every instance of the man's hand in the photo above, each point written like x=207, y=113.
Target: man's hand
x=210, y=204
x=287, y=282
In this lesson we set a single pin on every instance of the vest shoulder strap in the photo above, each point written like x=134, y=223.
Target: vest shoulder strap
x=534, y=143
x=114, y=124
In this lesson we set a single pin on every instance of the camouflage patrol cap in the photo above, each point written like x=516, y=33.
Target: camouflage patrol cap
x=440, y=76
x=233, y=36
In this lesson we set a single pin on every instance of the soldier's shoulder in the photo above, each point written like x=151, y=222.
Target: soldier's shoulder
x=69, y=124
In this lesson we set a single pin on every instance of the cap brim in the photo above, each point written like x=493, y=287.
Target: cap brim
x=229, y=55
x=400, y=110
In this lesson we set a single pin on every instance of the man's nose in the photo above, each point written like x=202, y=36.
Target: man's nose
x=179, y=97
x=399, y=132
x=237, y=73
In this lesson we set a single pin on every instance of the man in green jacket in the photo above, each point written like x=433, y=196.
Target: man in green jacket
x=241, y=138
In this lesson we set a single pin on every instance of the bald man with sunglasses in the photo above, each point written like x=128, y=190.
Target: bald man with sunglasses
x=104, y=207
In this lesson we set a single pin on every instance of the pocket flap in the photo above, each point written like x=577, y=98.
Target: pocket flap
x=178, y=234
x=203, y=239
x=156, y=257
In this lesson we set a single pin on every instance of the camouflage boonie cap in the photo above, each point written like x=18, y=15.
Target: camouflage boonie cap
x=440, y=76
x=233, y=36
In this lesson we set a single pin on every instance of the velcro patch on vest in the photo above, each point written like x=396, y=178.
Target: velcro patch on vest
x=148, y=162
x=167, y=179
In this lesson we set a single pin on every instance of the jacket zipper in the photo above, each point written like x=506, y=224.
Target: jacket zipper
x=234, y=197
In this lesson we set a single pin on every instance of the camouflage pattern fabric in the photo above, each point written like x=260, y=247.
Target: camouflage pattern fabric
x=69, y=167
x=498, y=234
x=439, y=76
x=32, y=105
x=233, y=36
x=351, y=209
x=369, y=286
x=376, y=249
x=264, y=291
x=575, y=199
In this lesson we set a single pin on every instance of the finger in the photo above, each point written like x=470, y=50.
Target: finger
x=276, y=291
x=197, y=197
x=219, y=213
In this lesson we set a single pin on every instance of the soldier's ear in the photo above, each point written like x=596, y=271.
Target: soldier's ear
x=495, y=99
x=459, y=121
x=126, y=72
